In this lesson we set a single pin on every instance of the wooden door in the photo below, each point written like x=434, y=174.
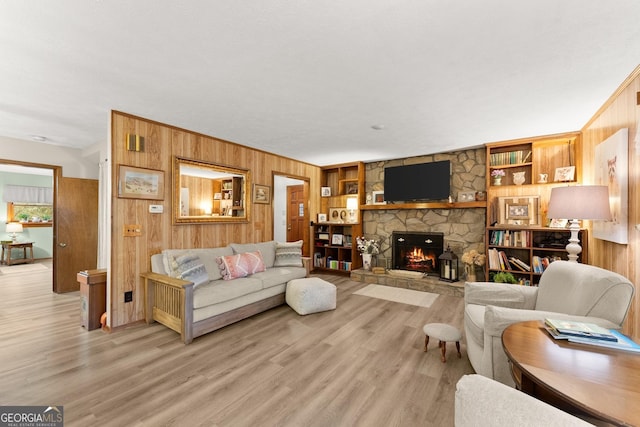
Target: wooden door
x=75, y=237
x=298, y=215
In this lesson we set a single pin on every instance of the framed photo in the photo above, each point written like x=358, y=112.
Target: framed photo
x=140, y=183
x=521, y=210
x=322, y=217
x=261, y=194
x=351, y=188
x=565, y=174
x=558, y=223
x=378, y=197
x=339, y=215
x=517, y=211
x=336, y=239
x=325, y=192
x=466, y=196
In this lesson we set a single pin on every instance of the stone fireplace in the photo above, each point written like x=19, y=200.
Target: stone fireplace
x=417, y=251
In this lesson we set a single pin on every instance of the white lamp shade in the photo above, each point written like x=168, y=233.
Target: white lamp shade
x=14, y=227
x=580, y=202
x=352, y=203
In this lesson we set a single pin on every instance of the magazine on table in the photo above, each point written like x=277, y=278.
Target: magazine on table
x=580, y=329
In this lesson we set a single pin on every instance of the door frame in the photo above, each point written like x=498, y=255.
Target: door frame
x=57, y=173
x=306, y=181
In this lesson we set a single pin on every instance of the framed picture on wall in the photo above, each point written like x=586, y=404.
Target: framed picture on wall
x=261, y=194
x=378, y=197
x=521, y=210
x=140, y=183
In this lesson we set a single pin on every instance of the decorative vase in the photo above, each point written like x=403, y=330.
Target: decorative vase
x=471, y=273
x=519, y=178
x=366, y=261
x=497, y=180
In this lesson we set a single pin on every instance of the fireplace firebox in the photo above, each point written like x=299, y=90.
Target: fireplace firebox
x=417, y=251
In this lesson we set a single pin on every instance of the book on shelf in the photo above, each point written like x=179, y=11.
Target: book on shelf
x=519, y=264
x=573, y=328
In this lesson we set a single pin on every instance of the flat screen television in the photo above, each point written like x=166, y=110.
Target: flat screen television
x=424, y=181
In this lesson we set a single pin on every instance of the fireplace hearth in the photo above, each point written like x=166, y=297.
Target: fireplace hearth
x=417, y=251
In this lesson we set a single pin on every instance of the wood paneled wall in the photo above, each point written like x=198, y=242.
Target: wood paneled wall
x=130, y=256
x=620, y=111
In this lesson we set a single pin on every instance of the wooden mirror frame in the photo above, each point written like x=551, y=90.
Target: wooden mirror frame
x=204, y=190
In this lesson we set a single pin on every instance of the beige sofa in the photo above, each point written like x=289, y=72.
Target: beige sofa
x=481, y=401
x=566, y=291
x=186, y=292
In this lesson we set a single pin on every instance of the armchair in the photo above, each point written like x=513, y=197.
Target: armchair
x=566, y=291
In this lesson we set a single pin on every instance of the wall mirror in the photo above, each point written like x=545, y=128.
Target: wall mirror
x=207, y=192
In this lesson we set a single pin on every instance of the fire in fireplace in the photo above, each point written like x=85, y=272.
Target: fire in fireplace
x=417, y=251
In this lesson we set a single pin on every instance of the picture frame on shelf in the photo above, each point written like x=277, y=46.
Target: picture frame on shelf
x=466, y=196
x=520, y=210
x=261, y=194
x=322, y=217
x=140, y=183
x=378, y=198
x=565, y=174
x=351, y=188
x=325, y=191
x=336, y=239
x=338, y=215
x=558, y=223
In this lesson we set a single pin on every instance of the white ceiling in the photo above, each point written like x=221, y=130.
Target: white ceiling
x=308, y=79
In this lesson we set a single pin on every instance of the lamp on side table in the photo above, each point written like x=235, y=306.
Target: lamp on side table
x=575, y=203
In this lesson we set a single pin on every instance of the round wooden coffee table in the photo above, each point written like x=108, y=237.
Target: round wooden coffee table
x=581, y=379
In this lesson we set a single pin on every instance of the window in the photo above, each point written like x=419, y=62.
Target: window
x=30, y=214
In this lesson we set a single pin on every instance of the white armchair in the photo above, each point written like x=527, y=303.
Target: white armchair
x=566, y=291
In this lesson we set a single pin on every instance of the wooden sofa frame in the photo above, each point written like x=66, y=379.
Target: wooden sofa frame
x=169, y=301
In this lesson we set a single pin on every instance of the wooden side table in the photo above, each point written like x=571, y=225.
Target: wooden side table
x=7, y=248
x=93, y=297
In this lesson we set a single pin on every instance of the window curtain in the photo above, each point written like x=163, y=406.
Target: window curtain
x=26, y=194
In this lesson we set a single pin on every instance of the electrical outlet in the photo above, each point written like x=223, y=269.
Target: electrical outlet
x=128, y=296
x=132, y=230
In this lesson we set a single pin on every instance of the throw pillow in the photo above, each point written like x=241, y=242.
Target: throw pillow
x=189, y=267
x=288, y=254
x=240, y=265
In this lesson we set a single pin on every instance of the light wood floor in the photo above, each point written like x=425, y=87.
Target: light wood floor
x=360, y=365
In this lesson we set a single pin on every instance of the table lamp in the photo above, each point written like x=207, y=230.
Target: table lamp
x=352, y=206
x=13, y=228
x=575, y=203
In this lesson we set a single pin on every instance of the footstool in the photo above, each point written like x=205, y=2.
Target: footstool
x=444, y=333
x=310, y=295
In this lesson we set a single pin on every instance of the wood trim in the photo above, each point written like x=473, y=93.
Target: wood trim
x=426, y=205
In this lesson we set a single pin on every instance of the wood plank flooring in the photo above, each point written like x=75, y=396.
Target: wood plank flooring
x=360, y=365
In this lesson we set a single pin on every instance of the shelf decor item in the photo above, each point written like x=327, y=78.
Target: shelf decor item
x=497, y=175
x=519, y=178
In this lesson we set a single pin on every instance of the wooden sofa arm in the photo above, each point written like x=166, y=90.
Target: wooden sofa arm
x=169, y=301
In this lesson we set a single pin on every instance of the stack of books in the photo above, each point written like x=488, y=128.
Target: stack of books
x=590, y=334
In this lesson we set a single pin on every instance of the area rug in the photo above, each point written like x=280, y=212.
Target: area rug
x=405, y=296
x=22, y=268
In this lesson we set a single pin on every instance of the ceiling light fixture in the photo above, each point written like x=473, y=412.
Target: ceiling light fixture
x=38, y=138
x=378, y=127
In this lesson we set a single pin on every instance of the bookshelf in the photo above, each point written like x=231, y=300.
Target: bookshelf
x=527, y=246
x=334, y=247
x=344, y=181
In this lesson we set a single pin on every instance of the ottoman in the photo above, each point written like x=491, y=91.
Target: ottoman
x=310, y=295
x=444, y=333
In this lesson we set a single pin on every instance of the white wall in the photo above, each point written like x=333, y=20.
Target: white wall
x=75, y=163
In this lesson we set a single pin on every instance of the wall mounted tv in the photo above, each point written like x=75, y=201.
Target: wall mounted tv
x=424, y=181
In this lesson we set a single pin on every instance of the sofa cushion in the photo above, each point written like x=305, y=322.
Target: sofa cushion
x=219, y=291
x=188, y=266
x=208, y=257
x=240, y=265
x=288, y=254
x=279, y=275
x=267, y=249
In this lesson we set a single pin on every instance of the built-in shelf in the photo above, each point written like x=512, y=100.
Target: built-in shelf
x=426, y=205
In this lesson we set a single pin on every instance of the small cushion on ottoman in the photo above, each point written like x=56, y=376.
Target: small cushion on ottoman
x=310, y=295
